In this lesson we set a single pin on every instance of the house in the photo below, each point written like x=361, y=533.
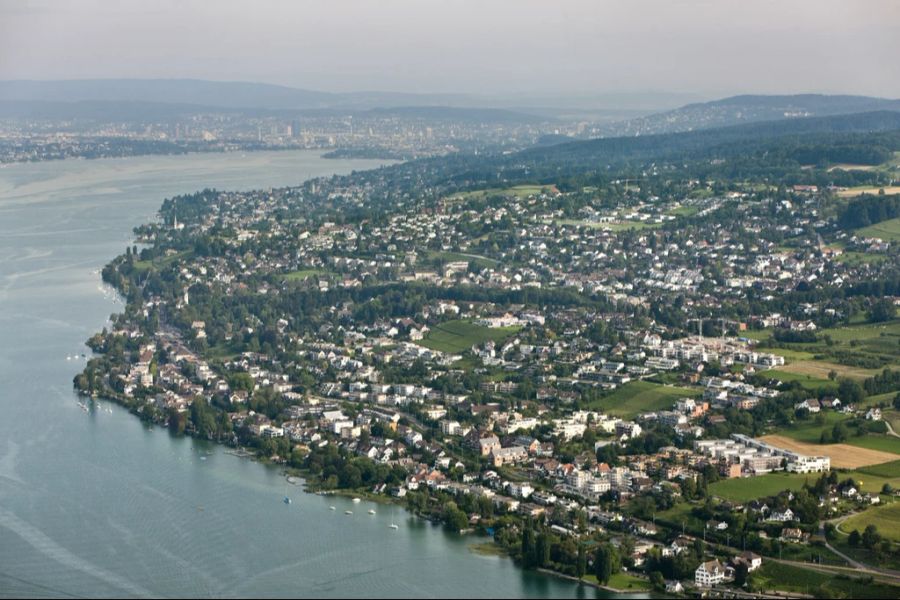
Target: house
x=873, y=414
x=709, y=574
x=784, y=517
x=752, y=560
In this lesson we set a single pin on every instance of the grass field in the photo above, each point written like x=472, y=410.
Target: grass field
x=887, y=230
x=843, y=456
x=887, y=470
x=790, y=578
x=457, y=336
x=521, y=191
x=618, y=226
x=886, y=518
x=750, y=488
x=302, y=274
x=481, y=261
x=806, y=380
x=859, y=191
x=876, y=441
x=638, y=397
x=810, y=431
x=877, y=343
x=820, y=369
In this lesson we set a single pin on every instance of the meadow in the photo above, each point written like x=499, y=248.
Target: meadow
x=637, y=397
x=456, y=337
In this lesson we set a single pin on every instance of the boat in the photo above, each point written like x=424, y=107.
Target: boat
x=371, y=512
x=356, y=501
x=348, y=512
x=330, y=508
x=394, y=526
x=287, y=500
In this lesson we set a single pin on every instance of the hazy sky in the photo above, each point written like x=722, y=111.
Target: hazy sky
x=712, y=47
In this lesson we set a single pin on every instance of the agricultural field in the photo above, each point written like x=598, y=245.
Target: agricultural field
x=859, y=191
x=843, y=456
x=820, y=369
x=886, y=518
x=637, y=397
x=877, y=344
x=456, y=337
x=744, y=489
x=790, y=578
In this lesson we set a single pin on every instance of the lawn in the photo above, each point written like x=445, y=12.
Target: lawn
x=636, y=397
x=458, y=336
x=623, y=581
x=744, y=489
x=886, y=518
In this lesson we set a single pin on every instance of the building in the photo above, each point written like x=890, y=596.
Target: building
x=709, y=574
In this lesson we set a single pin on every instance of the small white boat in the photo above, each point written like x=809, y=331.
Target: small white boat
x=371, y=512
x=330, y=508
x=348, y=512
x=394, y=526
x=356, y=501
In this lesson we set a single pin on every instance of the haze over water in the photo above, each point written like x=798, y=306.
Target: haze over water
x=98, y=504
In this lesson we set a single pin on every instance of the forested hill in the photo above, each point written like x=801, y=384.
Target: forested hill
x=767, y=149
x=751, y=108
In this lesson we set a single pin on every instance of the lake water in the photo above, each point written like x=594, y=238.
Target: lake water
x=99, y=504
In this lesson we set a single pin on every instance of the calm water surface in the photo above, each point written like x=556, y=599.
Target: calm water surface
x=98, y=504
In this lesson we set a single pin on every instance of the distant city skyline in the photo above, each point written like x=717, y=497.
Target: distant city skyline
x=704, y=48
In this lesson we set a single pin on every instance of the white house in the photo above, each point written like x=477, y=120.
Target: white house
x=709, y=573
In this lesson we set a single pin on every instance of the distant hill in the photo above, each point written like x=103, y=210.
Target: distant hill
x=262, y=96
x=750, y=109
x=802, y=141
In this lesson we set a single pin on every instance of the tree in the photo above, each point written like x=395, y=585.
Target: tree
x=881, y=310
x=581, y=562
x=603, y=564
x=657, y=581
x=853, y=538
x=871, y=537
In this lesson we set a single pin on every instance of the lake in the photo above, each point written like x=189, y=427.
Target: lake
x=100, y=504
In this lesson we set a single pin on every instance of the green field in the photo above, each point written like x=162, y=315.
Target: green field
x=858, y=350
x=303, y=274
x=876, y=441
x=458, y=336
x=886, y=518
x=790, y=578
x=744, y=489
x=637, y=397
x=520, y=191
x=887, y=470
x=886, y=230
x=810, y=431
x=807, y=381
x=481, y=261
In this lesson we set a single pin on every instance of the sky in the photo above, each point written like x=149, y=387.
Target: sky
x=703, y=47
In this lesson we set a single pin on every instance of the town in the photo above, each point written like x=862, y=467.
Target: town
x=657, y=382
